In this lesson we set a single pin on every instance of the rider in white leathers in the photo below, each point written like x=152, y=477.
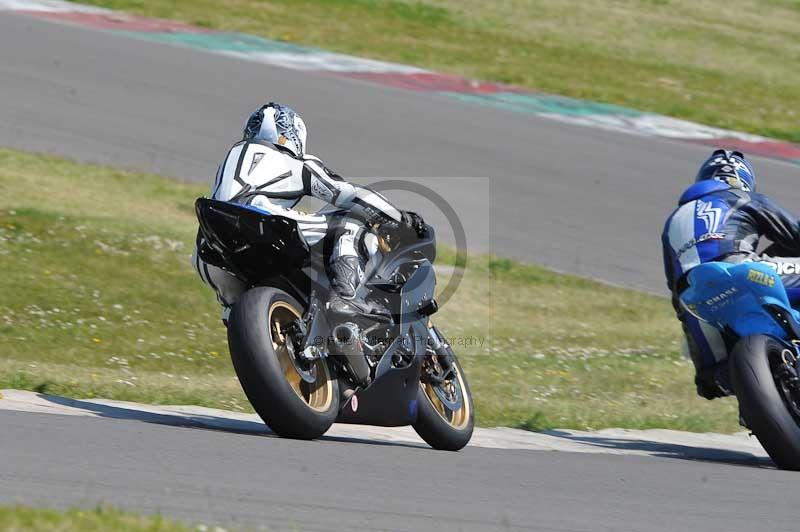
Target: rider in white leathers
x=270, y=170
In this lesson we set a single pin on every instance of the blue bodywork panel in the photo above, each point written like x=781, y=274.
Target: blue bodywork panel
x=734, y=296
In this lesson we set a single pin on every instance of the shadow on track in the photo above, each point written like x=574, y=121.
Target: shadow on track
x=257, y=429
x=670, y=450
x=197, y=421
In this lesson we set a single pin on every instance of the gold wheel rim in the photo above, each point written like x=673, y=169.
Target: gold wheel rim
x=458, y=419
x=318, y=395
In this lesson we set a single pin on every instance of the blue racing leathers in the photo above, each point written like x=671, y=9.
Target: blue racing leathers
x=715, y=222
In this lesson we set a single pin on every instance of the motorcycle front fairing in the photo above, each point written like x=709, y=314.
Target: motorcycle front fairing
x=748, y=299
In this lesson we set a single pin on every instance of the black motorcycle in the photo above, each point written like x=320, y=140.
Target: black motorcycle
x=303, y=368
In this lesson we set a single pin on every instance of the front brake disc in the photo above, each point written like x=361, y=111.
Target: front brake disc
x=453, y=400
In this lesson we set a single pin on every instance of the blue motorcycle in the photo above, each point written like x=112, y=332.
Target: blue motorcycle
x=749, y=305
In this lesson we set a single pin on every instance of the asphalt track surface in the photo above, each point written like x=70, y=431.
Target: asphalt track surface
x=581, y=200
x=576, y=199
x=254, y=480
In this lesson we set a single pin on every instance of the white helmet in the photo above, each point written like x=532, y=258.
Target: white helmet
x=279, y=125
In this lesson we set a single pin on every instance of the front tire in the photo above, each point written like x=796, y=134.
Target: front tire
x=441, y=428
x=292, y=407
x=761, y=403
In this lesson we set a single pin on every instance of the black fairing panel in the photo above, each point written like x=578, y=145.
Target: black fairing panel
x=250, y=243
x=422, y=247
x=391, y=400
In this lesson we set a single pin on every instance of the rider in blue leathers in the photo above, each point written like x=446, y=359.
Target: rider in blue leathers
x=721, y=218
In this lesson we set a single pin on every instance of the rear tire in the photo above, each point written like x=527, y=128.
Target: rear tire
x=761, y=403
x=441, y=428
x=290, y=406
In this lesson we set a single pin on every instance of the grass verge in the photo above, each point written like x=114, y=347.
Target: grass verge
x=99, y=300
x=680, y=58
x=23, y=519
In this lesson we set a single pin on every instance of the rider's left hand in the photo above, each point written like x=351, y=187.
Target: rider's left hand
x=409, y=228
x=415, y=222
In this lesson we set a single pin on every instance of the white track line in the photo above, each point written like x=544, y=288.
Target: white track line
x=321, y=61
x=50, y=6
x=670, y=443
x=315, y=60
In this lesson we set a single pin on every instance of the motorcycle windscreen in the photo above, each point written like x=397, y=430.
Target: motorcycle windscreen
x=735, y=296
x=249, y=242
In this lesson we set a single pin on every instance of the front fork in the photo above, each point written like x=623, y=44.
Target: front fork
x=443, y=355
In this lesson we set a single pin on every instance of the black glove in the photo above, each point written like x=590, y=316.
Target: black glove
x=411, y=227
x=416, y=223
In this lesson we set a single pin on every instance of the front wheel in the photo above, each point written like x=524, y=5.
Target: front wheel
x=445, y=412
x=768, y=404
x=297, y=399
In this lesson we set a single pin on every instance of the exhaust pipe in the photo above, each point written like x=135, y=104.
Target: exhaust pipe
x=347, y=340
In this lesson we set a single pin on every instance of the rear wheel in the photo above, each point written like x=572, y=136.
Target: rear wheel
x=769, y=402
x=445, y=413
x=296, y=398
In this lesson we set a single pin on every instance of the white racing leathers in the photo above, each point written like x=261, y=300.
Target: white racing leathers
x=266, y=177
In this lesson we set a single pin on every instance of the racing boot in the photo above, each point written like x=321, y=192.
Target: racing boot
x=346, y=275
x=713, y=382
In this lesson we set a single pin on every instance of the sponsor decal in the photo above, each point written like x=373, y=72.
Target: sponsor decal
x=702, y=238
x=320, y=190
x=721, y=299
x=783, y=268
x=761, y=278
x=712, y=216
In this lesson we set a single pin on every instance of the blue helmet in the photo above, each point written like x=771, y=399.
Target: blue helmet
x=729, y=167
